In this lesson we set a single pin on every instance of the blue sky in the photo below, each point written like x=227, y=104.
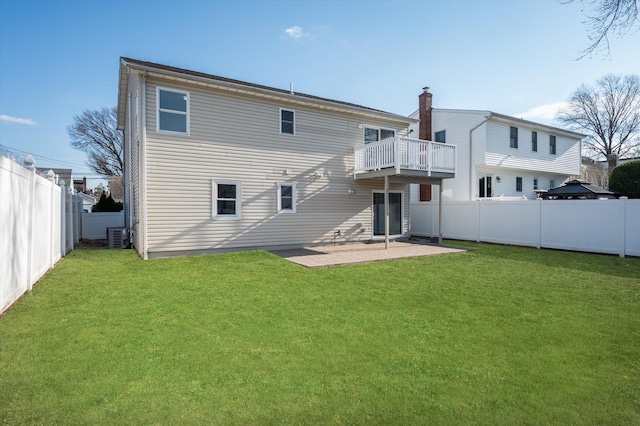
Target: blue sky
x=515, y=57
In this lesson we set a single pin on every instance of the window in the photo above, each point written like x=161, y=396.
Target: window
x=287, y=121
x=513, y=140
x=552, y=184
x=518, y=184
x=552, y=144
x=227, y=199
x=173, y=111
x=287, y=197
x=441, y=136
x=425, y=192
x=534, y=141
x=535, y=184
x=484, y=187
x=372, y=134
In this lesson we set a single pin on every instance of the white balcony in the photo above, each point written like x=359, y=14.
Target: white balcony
x=404, y=156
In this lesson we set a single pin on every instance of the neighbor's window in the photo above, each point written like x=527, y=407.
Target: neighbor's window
x=287, y=121
x=287, y=197
x=372, y=134
x=552, y=184
x=518, y=184
x=441, y=136
x=173, y=110
x=552, y=144
x=425, y=192
x=484, y=187
x=513, y=140
x=227, y=199
x=534, y=141
x=535, y=184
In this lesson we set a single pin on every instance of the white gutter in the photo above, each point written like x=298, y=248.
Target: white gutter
x=142, y=166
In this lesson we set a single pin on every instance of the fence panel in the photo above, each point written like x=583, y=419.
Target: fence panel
x=597, y=226
x=94, y=225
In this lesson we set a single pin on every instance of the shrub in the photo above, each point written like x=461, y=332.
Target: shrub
x=625, y=179
x=106, y=204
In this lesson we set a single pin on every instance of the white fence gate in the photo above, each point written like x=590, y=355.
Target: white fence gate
x=597, y=226
x=39, y=222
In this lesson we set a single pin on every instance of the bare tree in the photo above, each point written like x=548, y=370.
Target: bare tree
x=95, y=132
x=609, y=114
x=608, y=17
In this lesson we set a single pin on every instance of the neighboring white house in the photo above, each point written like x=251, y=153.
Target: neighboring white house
x=217, y=164
x=499, y=156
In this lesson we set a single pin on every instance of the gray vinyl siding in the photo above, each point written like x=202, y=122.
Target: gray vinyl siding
x=237, y=137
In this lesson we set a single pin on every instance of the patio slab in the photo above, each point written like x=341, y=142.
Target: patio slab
x=324, y=256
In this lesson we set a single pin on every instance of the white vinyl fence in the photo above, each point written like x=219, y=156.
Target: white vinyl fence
x=39, y=223
x=597, y=226
x=94, y=225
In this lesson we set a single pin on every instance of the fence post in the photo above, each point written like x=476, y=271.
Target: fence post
x=63, y=219
x=539, y=242
x=479, y=203
x=623, y=248
x=30, y=164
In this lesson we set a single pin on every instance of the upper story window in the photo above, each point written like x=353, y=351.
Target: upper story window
x=518, y=184
x=513, y=139
x=441, y=136
x=287, y=121
x=173, y=111
x=227, y=199
x=552, y=144
x=534, y=141
x=372, y=134
x=287, y=197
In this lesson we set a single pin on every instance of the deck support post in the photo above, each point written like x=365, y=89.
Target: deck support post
x=386, y=212
x=440, y=212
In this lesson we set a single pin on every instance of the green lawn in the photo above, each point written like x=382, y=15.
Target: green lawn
x=499, y=335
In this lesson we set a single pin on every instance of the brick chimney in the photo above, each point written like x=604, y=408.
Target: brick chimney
x=84, y=184
x=425, y=101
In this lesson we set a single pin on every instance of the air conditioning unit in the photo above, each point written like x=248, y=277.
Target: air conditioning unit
x=118, y=238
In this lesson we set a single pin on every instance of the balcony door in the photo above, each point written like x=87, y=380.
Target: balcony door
x=395, y=213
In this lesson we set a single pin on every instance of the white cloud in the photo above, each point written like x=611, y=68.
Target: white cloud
x=17, y=120
x=546, y=112
x=296, y=33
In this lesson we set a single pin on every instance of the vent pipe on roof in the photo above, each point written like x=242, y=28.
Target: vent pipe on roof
x=291, y=88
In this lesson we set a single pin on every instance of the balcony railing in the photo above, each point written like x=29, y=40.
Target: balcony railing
x=404, y=153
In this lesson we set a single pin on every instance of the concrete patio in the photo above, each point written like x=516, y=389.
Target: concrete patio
x=324, y=256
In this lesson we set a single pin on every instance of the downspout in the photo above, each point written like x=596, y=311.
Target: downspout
x=127, y=162
x=471, y=169
x=143, y=165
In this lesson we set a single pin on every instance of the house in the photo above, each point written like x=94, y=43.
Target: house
x=216, y=164
x=498, y=156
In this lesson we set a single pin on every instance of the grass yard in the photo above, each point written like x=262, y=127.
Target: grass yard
x=500, y=335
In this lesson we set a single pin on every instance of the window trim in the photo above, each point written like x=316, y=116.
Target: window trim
x=214, y=199
x=293, y=123
x=553, y=145
x=513, y=141
x=518, y=183
x=534, y=141
x=294, y=198
x=172, y=111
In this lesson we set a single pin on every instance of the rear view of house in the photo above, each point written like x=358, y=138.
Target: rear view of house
x=214, y=164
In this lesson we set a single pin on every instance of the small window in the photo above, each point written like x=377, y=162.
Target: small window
x=287, y=121
x=484, y=187
x=425, y=192
x=518, y=184
x=552, y=145
x=372, y=134
x=173, y=111
x=441, y=136
x=535, y=184
x=513, y=140
x=534, y=141
x=227, y=199
x=287, y=197
x=552, y=184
